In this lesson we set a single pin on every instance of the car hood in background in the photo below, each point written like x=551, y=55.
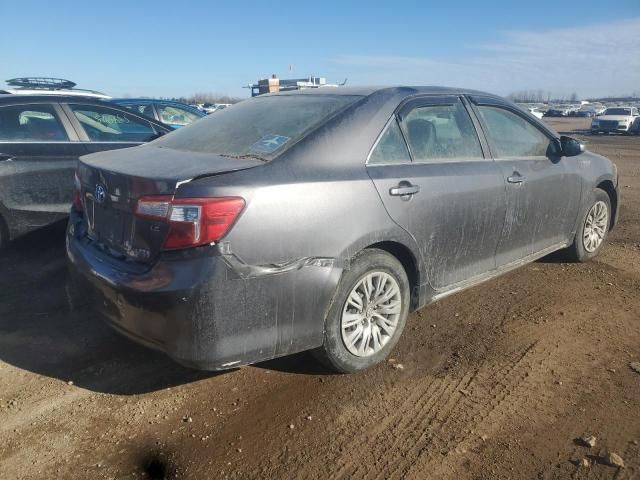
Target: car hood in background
x=614, y=117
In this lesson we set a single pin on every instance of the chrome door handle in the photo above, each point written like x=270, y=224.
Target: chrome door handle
x=404, y=189
x=4, y=156
x=516, y=179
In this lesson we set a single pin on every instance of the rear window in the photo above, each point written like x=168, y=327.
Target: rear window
x=259, y=127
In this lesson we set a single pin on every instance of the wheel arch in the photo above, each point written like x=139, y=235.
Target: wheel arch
x=407, y=259
x=610, y=190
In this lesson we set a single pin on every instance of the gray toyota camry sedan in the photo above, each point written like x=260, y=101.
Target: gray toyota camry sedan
x=318, y=219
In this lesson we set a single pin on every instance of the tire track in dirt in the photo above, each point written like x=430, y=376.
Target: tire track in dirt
x=424, y=396
x=429, y=421
x=510, y=400
x=426, y=411
x=473, y=411
x=489, y=393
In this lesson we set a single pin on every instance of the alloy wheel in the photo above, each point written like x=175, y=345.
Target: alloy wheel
x=595, y=226
x=370, y=314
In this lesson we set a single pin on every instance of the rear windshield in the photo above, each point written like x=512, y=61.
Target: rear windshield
x=260, y=127
x=618, y=111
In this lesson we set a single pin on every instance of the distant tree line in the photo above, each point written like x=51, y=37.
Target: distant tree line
x=197, y=98
x=540, y=96
x=207, y=98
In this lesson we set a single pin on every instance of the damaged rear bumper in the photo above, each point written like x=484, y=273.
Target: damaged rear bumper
x=208, y=310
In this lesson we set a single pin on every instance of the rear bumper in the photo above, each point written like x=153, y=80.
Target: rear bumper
x=204, y=311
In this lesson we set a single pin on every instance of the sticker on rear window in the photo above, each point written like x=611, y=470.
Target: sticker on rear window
x=269, y=143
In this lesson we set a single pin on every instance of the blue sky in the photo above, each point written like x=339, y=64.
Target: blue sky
x=173, y=48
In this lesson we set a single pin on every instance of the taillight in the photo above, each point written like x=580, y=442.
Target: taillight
x=192, y=221
x=77, y=193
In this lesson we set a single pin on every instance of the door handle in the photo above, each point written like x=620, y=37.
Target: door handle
x=404, y=189
x=4, y=156
x=516, y=178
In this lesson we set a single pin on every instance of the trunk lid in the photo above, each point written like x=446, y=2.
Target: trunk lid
x=111, y=183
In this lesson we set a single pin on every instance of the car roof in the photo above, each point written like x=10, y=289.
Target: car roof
x=370, y=90
x=44, y=98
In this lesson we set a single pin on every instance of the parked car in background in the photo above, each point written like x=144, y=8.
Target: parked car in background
x=319, y=219
x=41, y=138
x=585, y=112
x=535, y=112
x=214, y=107
x=558, y=111
x=616, y=119
x=533, y=109
x=174, y=114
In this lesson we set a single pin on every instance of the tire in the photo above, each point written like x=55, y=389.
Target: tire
x=582, y=250
x=376, y=341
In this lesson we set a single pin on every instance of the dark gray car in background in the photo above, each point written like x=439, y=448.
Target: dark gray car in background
x=318, y=219
x=41, y=139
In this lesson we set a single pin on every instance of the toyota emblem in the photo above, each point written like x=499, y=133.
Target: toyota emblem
x=101, y=193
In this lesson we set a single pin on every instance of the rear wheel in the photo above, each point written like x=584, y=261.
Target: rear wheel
x=593, y=229
x=368, y=312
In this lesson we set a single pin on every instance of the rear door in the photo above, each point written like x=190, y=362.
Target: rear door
x=101, y=127
x=442, y=189
x=38, y=154
x=543, y=188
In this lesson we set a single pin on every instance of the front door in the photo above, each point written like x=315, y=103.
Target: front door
x=441, y=189
x=543, y=190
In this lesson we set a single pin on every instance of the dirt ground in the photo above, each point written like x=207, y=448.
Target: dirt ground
x=496, y=382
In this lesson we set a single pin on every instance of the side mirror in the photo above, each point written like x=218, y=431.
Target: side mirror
x=570, y=146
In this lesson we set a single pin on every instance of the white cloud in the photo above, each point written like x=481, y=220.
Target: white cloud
x=593, y=60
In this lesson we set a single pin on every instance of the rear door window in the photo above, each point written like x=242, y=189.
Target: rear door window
x=438, y=133
x=31, y=123
x=103, y=124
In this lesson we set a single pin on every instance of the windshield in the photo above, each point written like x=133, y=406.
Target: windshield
x=618, y=111
x=259, y=127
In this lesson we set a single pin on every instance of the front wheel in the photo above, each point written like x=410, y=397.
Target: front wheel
x=593, y=229
x=368, y=312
